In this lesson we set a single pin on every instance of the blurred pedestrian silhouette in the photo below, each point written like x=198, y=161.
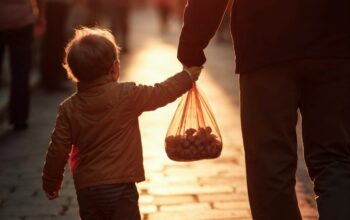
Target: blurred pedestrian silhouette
x=180, y=9
x=94, y=12
x=52, y=72
x=223, y=33
x=113, y=14
x=291, y=55
x=164, y=8
x=17, y=24
x=119, y=11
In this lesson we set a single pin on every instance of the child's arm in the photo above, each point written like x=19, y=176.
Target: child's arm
x=147, y=98
x=57, y=154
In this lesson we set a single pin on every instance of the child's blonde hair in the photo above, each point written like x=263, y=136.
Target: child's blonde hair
x=90, y=54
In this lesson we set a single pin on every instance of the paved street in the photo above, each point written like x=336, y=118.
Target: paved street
x=203, y=190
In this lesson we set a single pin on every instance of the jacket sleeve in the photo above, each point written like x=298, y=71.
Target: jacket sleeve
x=147, y=98
x=201, y=21
x=57, y=154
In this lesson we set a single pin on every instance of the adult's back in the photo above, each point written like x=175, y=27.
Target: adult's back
x=270, y=31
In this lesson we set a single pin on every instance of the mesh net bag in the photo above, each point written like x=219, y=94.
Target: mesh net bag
x=193, y=133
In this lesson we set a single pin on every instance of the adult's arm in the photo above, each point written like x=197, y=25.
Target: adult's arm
x=201, y=21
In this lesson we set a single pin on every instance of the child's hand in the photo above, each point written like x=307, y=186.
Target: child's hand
x=193, y=71
x=52, y=195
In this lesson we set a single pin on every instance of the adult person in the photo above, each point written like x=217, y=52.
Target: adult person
x=54, y=39
x=17, y=24
x=119, y=13
x=164, y=9
x=180, y=8
x=290, y=55
x=93, y=12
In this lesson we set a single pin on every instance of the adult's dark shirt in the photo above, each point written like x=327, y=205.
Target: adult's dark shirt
x=267, y=32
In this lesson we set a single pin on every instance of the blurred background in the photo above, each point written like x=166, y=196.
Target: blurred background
x=148, y=32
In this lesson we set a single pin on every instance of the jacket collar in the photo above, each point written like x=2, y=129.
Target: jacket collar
x=83, y=86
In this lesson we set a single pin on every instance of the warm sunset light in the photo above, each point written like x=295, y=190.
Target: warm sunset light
x=174, y=110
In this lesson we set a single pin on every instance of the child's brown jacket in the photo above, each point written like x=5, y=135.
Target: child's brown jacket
x=100, y=124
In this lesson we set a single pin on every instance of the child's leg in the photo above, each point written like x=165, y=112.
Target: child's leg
x=115, y=201
x=126, y=210
x=87, y=207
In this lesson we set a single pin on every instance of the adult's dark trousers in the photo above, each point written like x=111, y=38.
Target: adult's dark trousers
x=19, y=44
x=52, y=72
x=270, y=98
x=109, y=202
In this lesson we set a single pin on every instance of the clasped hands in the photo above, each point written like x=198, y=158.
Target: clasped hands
x=193, y=71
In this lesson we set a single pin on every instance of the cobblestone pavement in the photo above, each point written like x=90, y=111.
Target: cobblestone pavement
x=207, y=190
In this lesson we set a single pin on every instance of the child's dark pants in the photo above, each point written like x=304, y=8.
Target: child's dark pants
x=109, y=202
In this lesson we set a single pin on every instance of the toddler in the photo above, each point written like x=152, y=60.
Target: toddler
x=97, y=128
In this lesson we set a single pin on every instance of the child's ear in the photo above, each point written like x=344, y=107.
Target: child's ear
x=114, y=71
